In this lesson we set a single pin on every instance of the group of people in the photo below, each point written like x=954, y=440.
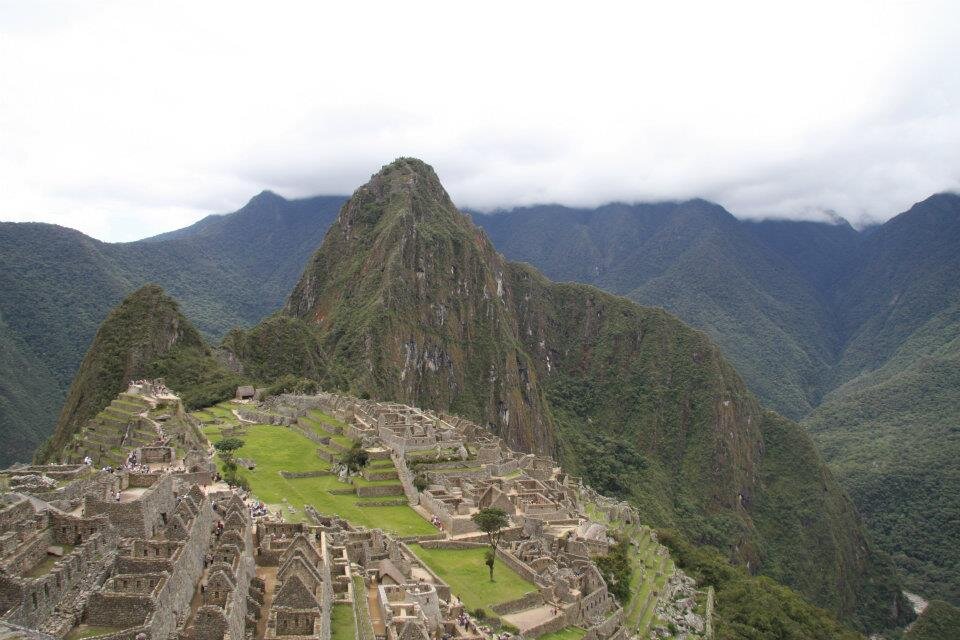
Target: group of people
x=435, y=521
x=132, y=464
x=159, y=388
x=258, y=509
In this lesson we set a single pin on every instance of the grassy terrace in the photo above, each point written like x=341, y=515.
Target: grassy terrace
x=469, y=580
x=276, y=449
x=341, y=622
x=319, y=429
x=639, y=612
x=570, y=633
x=89, y=631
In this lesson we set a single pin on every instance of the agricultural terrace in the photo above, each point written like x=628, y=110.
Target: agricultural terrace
x=649, y=573
x=274, y=449
x=570, y=633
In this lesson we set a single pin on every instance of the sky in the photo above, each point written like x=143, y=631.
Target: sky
x=126, y=119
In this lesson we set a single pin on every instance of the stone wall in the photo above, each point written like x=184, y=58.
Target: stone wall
x=406, y=479
x=31, y=601
x=12, y=516
x=593, y=604
x=145, y=480
x=141, y=518
x=610, y=629
x=554, y=624
x=119, y=609
x=304, y=474
x=380, y=490
x=527, y=601
x=517, y=565
x=451, y=544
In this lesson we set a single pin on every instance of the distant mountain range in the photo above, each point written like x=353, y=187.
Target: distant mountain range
x=853, y=332
x=858, y=334
x=57, y=285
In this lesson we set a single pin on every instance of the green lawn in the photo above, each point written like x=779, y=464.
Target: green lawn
x=87, y=631
x=469, y=578
x=570, y=633
x=320, y=428
x=316, y=414
x=341, y=622
x=276, y=449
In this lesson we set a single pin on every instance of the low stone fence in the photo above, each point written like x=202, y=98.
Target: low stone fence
x=451, y=544
x=527, y=601
x=399, y=502
x=422, y=538
x=262, y=417
x=385, y=474
x=290, y=475
x=376, y=491
x=517, y=565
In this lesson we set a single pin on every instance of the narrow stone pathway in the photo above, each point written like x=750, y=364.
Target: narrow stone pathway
x=269, y=577
x=373, y=605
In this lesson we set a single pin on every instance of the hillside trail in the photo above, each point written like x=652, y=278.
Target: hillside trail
x=241, y=418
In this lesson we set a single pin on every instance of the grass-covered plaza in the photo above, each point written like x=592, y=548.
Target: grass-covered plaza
x=274, y=449
x=464, y=570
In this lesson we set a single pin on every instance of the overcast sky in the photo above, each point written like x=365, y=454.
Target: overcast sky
x=125, y=119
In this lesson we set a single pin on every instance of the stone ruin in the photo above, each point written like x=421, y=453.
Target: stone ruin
x=156, y=550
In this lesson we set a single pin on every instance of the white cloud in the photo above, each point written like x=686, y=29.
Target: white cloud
x=124, y=119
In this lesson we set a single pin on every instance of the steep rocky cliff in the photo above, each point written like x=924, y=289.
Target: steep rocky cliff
x=408, y=300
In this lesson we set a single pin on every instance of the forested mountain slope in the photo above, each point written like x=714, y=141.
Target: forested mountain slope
x=747, y=284
x=57, y=285
x=145, y=336
x=407, y=300
x=855, y=330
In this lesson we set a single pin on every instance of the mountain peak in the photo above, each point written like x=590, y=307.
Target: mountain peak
x=265, y=197
x=146, y=325
x=406, y=186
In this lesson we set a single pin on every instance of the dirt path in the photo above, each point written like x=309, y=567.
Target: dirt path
x=373, y=605
x=243, y=420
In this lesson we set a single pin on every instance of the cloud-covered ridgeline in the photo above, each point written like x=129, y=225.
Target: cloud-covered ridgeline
x=127, y=119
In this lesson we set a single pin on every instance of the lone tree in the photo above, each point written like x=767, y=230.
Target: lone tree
x=491, y=521
x=226, y=449
x=356, y=458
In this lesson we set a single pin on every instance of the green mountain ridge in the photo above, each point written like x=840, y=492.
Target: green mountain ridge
x=407, y=300
x=57, y=285
x=855, y=333
x=145, y=336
